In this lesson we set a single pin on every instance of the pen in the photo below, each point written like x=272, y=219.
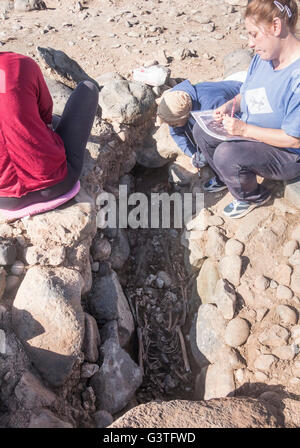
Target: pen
x=233, y=107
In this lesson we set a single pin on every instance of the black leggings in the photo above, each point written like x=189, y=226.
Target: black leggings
x=74, y=127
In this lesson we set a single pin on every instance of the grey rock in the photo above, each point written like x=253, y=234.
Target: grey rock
x=234, y=247
x=48, y=319
x=286, y=353
x=2, y=342
x=295, y=280
x=273, y=284
x=59, y=93
x=215, y=245
x=2, y=281
x=265, y=362
x=229, y=412
x=261, y=283
x=64, y=227
x=106, y=78
x=120, y=250
x=117, y=380
x=286, y=314
x=126, y=101
x=282, y=275
x=110, y=331
x=165, y=277
x=46, y=419
x=292, y=192
x=237, y=61
x=230, y=268
x=51, y=257
x=219, y=382
x=183, y=53
x=207, y=281
x=208, y=27
x=17, y=268
x=200, y=222
x=276, y=336
x=101, y=249
x=289, y=248
x=29, y=5
x=65, y=69
x=225, y=298
x=103, y=419
x=31, y=393
x=237, y=332
x=210, y=331
x=294, y=260
x=6, y=231
x=296, y=233
x=284, y=293
x=92, y=340
x=8, y=252
x=108, y=302
x=88, y=370
x=12, y=282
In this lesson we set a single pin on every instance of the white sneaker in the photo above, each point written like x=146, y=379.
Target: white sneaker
x=198, y=160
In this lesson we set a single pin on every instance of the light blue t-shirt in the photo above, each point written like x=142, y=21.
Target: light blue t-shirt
x=271, y=98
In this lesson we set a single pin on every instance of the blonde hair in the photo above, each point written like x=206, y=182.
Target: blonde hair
x=267, y=10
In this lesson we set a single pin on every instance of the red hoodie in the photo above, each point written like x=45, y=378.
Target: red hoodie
x=32, y=156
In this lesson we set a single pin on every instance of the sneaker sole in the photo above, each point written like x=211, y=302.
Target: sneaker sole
x=215, y=190
x=249, y=209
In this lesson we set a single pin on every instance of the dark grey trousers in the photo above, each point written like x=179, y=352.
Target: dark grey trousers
x=74, y=127
x=238, y=162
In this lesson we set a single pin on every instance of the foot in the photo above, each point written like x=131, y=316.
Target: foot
x=214, y=185
x=198, y=160
x=238, y=209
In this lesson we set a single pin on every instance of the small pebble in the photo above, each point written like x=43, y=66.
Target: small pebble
x=17, y=268
x=234, y=247
x=264, y=362
x=261, y=283
x=289, y=248
x=273, y=284
x=286, y=353
x=284, y=293
x=95, y=266
x=12, y=281
x=286, y=314
x=296, y=334
x=237, y=332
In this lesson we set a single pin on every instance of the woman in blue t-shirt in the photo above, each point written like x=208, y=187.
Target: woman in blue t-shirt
x=269, y=107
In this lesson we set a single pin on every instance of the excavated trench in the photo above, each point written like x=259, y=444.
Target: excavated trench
x=158, y=290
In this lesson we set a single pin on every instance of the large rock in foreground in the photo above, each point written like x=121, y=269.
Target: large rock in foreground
x=108, y=302
x=126, y=101
x=48, y=319
x=117, y=380
x=65, y=227
x=216, y=413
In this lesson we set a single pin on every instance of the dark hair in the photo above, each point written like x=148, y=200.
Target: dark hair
x=267, y=10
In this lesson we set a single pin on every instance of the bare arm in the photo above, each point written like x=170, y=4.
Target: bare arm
x=273, y=137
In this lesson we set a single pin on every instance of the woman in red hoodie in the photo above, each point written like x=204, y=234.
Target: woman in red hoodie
x=39, y=163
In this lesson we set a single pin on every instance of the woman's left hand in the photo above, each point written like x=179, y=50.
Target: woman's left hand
x=234, y=126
